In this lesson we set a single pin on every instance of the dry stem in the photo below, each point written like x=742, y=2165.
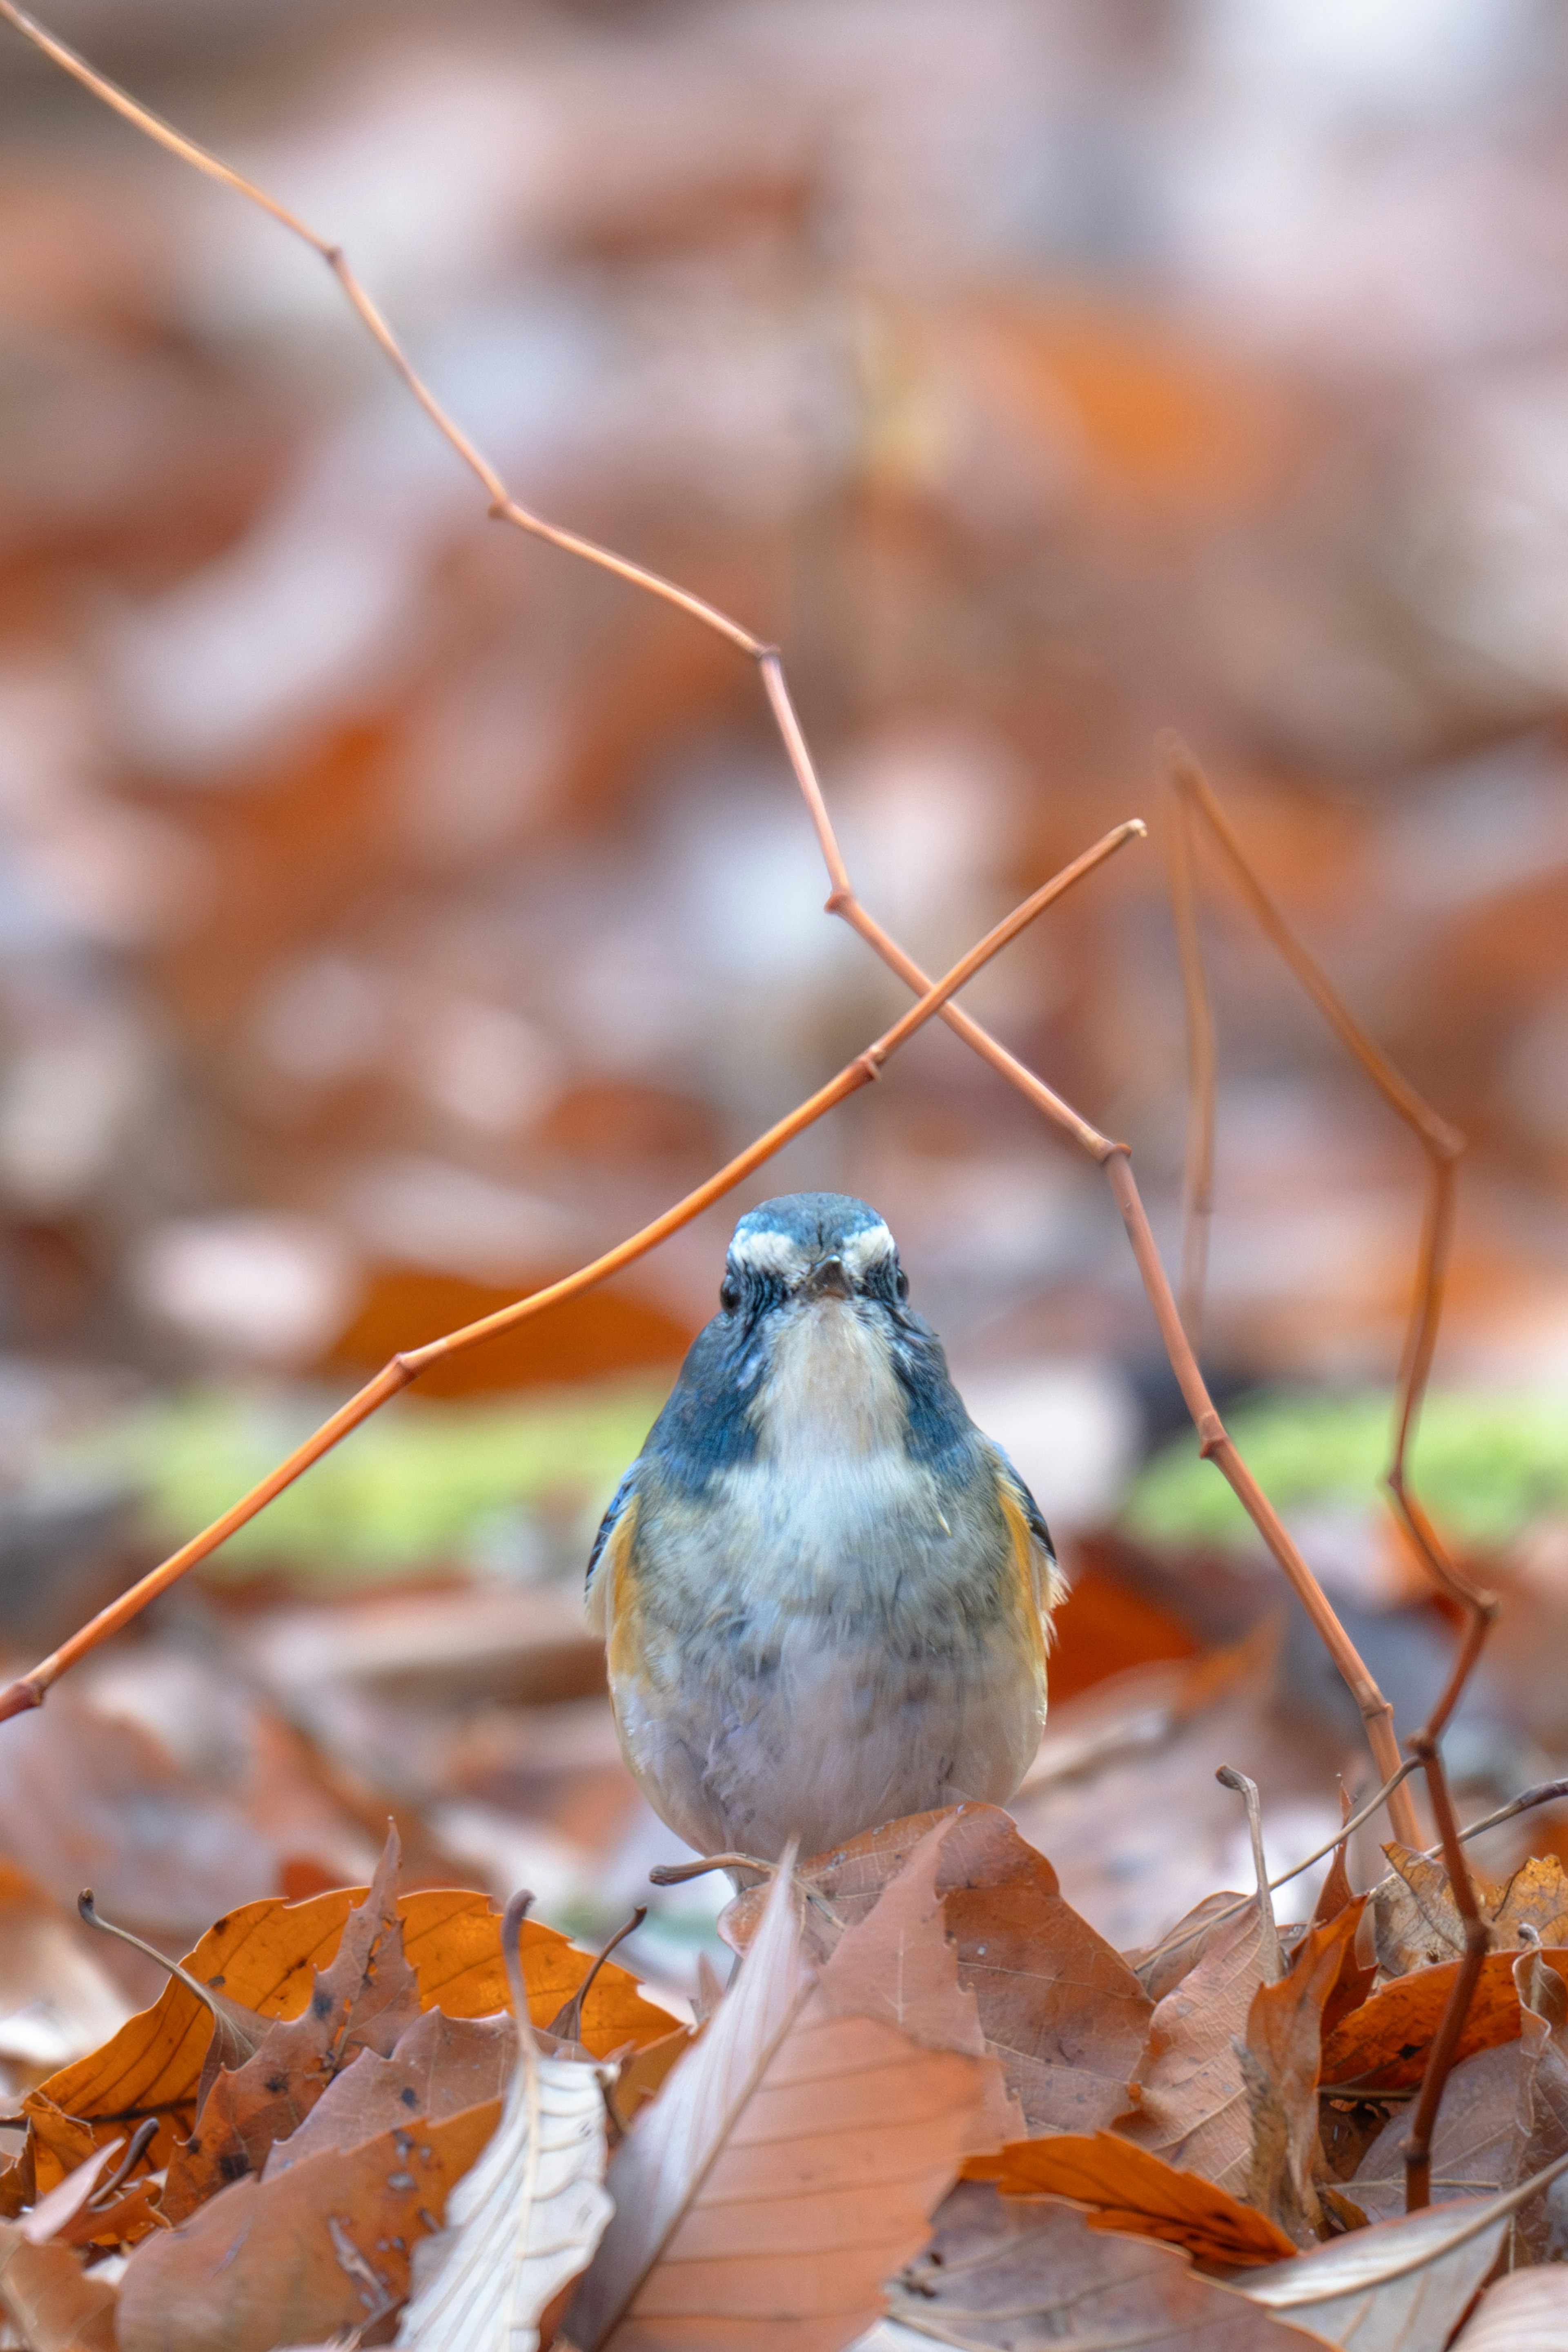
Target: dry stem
x=1197, y=1185
x=1113, y=1157
x=1417, y=2147
x=1441, y=1143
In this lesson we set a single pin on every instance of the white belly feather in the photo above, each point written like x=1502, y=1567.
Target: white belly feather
x=830, y=1640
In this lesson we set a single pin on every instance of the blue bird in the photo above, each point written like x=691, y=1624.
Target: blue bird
x=825, y=1595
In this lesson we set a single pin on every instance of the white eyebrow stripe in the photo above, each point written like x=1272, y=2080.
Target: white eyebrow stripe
x=864, y=1250
x=769, y=1253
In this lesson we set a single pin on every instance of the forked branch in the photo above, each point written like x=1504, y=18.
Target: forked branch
x=1441, y=1143
x=1215, y=1442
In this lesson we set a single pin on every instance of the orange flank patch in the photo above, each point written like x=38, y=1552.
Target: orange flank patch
x=1024, y=1568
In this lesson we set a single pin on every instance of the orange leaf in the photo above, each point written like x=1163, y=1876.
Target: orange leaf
x=1132, y=2190
x=264, y=1954
x=1383, y=2044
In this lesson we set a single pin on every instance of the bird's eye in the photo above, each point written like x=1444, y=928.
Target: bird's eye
x=729, y=1294
x=900, y=1285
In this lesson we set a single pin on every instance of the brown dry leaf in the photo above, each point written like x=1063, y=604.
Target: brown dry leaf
x=264, y=1956
x=1418, y=1924
x=1279, y=2065
x=1131, y=2190
x=1399, y=2287
x=1162, y=1967
x=52, y=2303
x=123, y=2222
x=325, y=2247
x=1542, y=2110
x=441, y=2065
x=1190, y=2102
x=1383, y=2044
x=1061, y=2009
x=364, y=2000
x=1007, y=2274
x=1473, y=2146
x=790, y=2160
x=523, y=2220
x=1527, y=2312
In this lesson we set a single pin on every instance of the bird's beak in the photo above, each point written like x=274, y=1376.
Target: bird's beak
x=828, y=1279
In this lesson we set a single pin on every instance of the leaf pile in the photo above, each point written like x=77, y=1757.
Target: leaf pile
x=933, y=2106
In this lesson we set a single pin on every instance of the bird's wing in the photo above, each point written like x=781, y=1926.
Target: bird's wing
x=1051, y=1588
x=608, y=1524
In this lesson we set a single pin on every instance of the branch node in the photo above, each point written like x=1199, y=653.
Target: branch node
x=837, y=900
x=18, y=1697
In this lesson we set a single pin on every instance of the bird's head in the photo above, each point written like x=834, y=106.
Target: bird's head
x=810, y=1246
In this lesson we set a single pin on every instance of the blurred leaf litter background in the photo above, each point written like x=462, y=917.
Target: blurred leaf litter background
x=393, y=913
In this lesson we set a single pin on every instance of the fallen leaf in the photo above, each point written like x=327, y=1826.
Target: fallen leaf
x=1542, y=2109
x=1383, y=2044
x=1527, y=2312
x=1418, y=1925
x=54, y=2304
x=643, y=2074
x=1336, y=1890
x=1400, y=2285
x=1162, y=1967
x=439, y=2067
x=323, y=2247
x=1059, y=2008
x=365, y=2000
x=525, y=2220
x=1415, y=1921
x=1190, y=2102
x=1474, y=2145
x=790, y=2162
x=265, y=1956
x=1003, y=2273
x=1131, y=2190
x=1280, y=2062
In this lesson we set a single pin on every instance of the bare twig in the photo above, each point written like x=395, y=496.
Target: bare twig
x=136, y=2147
x=1198, y=1181
x=1417, y=2147
x=1442, y=1145
x=566, y=2022
x=92, y=1918
x=406, y=1368
x=1230, y=1777
x=1543, y=1792
x=676, y=1873
x=1215, y=1442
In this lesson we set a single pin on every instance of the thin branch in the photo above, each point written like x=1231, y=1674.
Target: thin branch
x=406, y=1368
x=1417, y=2148
x=1113, y=1157
x=1442, y=1144
x=566, y=2022
x=1198, y=1179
